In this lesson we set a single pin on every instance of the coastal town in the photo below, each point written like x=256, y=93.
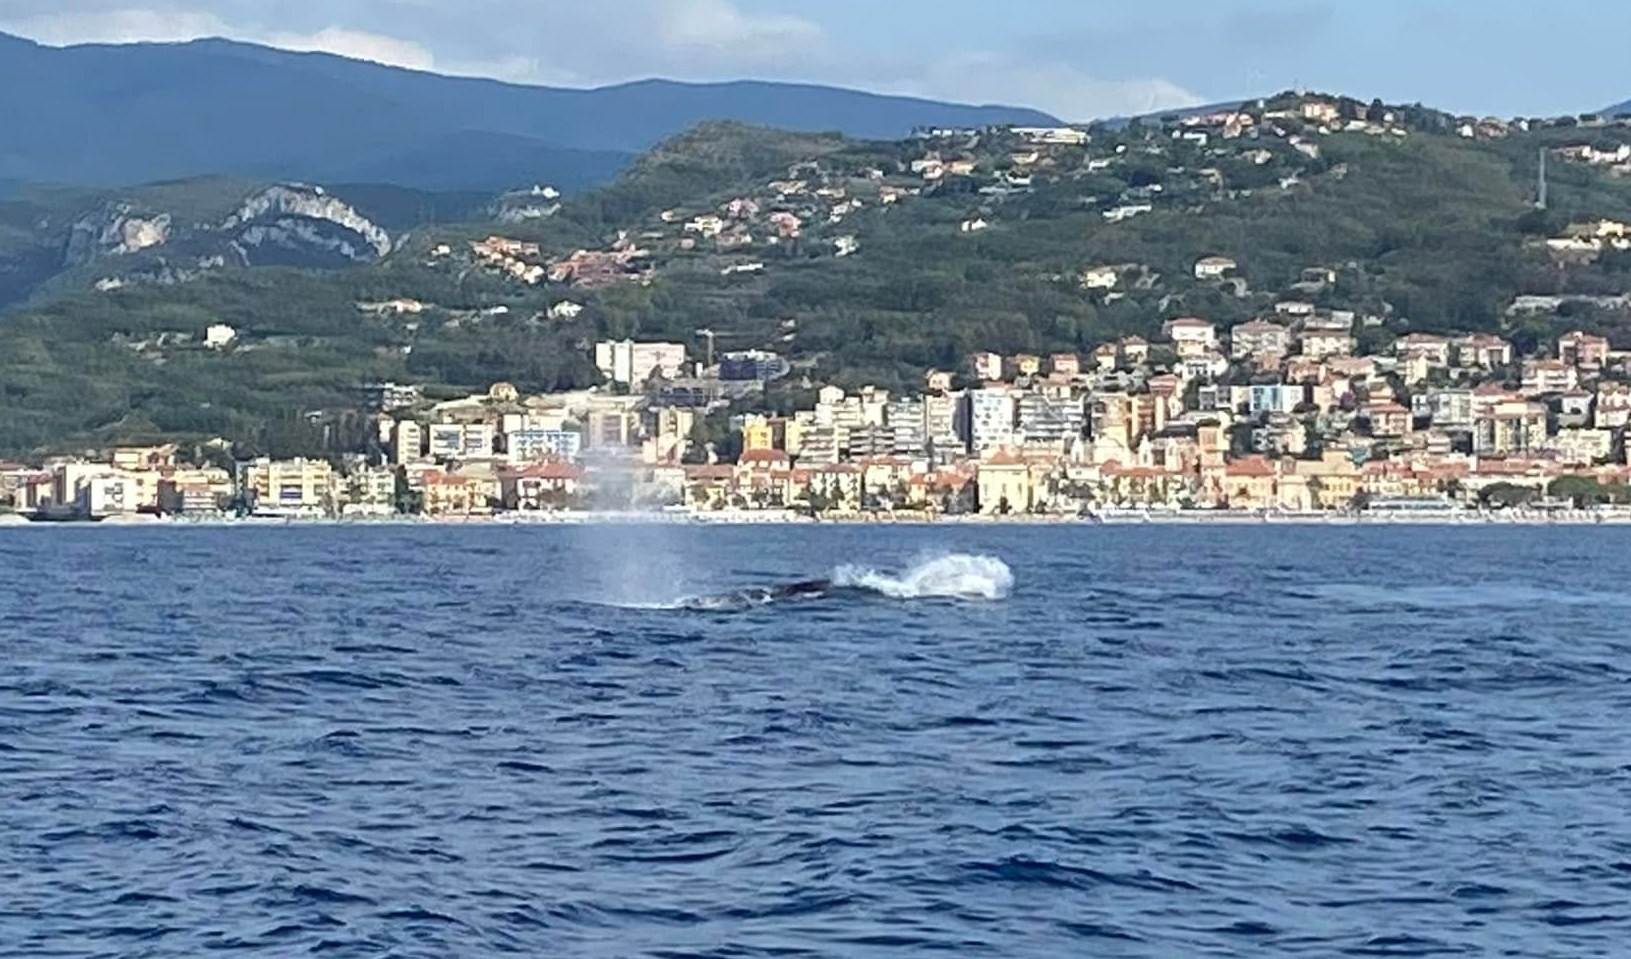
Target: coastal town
x=1273, y=388
x=1278, y=416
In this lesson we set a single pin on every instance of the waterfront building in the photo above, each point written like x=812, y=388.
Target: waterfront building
x=297, y=484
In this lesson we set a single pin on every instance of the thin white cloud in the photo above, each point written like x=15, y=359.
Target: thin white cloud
x=719, y=27
x=1058, y=88
x=115, y=26
x=356, y=44
x=157, y=26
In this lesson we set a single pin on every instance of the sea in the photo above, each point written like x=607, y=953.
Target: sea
x=1004, y=741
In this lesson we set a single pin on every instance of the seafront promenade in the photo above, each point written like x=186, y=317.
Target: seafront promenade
x=1124, y=517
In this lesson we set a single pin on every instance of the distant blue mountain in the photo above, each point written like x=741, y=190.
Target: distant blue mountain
x=134, y=113
x=1619, y=110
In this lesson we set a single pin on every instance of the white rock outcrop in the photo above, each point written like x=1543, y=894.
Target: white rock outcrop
x=283, y=203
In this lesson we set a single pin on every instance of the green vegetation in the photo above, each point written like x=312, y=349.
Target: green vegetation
x=1427, y=232
x=1588, y=491
x=1507, y=496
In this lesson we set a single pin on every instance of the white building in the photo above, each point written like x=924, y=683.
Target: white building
x=1052, y=136
x=219, y=336
x=297, y=484
x=991, y=418
x=1447, y=409
x=1101, y=278
x=107, y=494
x=941, y=423
x=633, y=364
x=460, y=441
x=907, y=418
x=1258, y=337
x=986, y=366
x=1191, y=336
x=1264, y=399
x=1051, y=420
x=370, y=491
x=407, y=442
x=531, y=445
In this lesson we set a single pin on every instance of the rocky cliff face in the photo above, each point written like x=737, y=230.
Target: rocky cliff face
x=292, y=217
x=68, y=239
x=117, y=229
x=288, y=224
x=523, y=206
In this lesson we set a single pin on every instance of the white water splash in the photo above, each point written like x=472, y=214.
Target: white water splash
x=957, y=576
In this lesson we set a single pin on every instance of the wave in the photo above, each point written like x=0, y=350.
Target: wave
x=957, y=576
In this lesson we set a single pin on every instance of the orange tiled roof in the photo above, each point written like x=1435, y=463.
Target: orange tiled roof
x=550, y=469
x=1250, y=466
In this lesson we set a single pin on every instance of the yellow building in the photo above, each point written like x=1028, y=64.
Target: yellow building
x=1248, y=484
x=201, y=490
x=758, y=434
x=1004, y=485
x=1143, y=486
x=1332, y=481
x=297, y=484
x=454, y=494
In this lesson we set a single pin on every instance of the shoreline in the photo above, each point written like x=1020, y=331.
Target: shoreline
x=1570, y=518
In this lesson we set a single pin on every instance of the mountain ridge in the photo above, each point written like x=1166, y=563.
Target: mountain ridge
x=168, y=111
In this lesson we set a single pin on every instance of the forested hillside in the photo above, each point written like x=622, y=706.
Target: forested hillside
x=869, y=261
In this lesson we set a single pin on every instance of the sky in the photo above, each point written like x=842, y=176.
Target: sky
x=1077, y=59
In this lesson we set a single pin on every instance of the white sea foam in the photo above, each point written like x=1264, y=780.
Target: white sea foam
x=957, y=576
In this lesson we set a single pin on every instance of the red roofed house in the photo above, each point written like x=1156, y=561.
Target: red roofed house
x=709, y=486
x=1482, y=351
x=540, y=486
x=1257, y=483
x=1065, y=364
x=1133, y=350
x=454, y=494
x=1435, y=350
x=1389, y=420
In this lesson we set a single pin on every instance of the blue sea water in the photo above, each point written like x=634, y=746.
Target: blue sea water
x=1249, y=741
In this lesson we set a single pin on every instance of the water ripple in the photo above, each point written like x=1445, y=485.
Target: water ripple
x=1164, y=742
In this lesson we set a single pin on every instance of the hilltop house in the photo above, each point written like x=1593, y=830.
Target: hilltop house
x=1101, y=278
x=1481, y=351
x=1214, y=267
x=1258, y=338
x=1052, y=136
